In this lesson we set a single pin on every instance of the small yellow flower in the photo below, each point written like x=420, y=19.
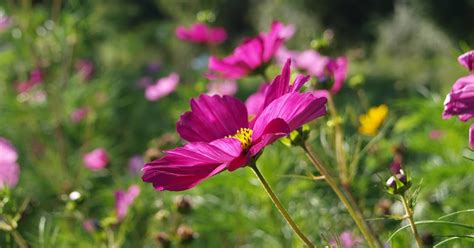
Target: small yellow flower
x=370, y=122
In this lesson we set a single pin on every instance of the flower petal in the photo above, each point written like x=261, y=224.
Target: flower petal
x=184, y=167
x=274, y=130
x=471, y=136
x=211, y=118
x=294, y=108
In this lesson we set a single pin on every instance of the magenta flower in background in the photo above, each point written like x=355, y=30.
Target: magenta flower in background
x=90, y=225
x=202, y=34
x=162, y=87
x=96, y=159
x=85, y=68
x=135, y=164
x=435, y=134
x=78, y=114
x=5, y=22
x=348, y=240
x=467, y=60
x=460, y=101
x=36, y=77
x=221, y=137
x=226, y=87
x=249, y=56
x=9, y=169
x=123, y=200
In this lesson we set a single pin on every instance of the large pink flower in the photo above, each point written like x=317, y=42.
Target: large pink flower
x=9, y=169
x=201, y=33
x=96, y=159
x=123, y=200
x=162, y=87
x=251, y=55
x=222, y=138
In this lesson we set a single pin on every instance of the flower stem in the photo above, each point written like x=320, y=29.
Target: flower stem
x=280, y=207
x=339, y=146
x=356, y=216
x=409, y=214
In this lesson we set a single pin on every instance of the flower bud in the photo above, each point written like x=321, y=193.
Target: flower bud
x=399, y=182
x=183, y=204
x=163, y=239
x=186, y=234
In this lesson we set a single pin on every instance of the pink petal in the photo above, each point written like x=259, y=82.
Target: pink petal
x=294, y=108
x=226, y=87
x=9, y=174
x=8, y=153
x=250, y=52
x=467, y=60
x=255, y=101
x=471, y=136
x=274, y=130
x=185, y=167
x=163, y=87
x=123, y=200
x=211, y=118
x=96, y=159
x=338, y=70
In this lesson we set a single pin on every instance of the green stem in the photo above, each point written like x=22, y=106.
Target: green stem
x=19, y=239
x=357, y=217
x=338, y=143
x=280, y=207
x=409, y=213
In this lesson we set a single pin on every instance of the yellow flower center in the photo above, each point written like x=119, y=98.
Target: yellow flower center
x=244, y=135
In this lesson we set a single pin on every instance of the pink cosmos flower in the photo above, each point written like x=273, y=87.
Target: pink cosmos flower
x=249, y=56
x=36, y=77
x=202, y=34
x=123, y=200
x=221, y=137
x=96, y=159
x=9, y=169
x=79, y=114
x=226, y=87
x=348, y=240
x=467, y=60
x=162, y=87
x=319, y=66
x=85, y=68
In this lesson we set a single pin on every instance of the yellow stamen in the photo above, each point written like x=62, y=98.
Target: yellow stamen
x=244, y=135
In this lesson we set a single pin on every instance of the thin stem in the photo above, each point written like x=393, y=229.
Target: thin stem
x=280, y=207
x=19, y=239
x=409, y=213
x=357, y=217
x=338, y=143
